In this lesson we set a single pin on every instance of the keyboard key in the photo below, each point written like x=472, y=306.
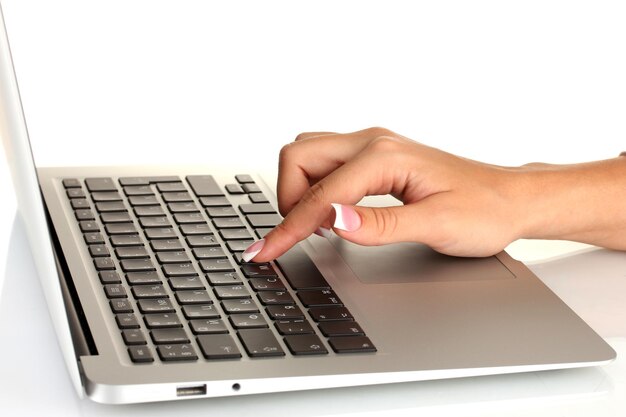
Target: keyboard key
x=262, y=231
x=284, y=312
x=314, y=298
x=234, y=189
x=246, y=305
x=186, y=283
x=106, y=196
x=79, y=203
x=216, y=265
x=148, y=180
x=254, y=270
x=178, y=270
x=330, y=314
x=353, y=344
x=140, y=354
x=132, y=265
x=223, y=278
x=228, y=223
x=231, y=292
x=251, y=188
x=126, y=240
x=238, y=245
x=287, y=327
x=193, y=297
x=263, y=208
x=167, y=336
x=143, y=278
x=121, y=305
x=308, y=344
x=214, y=201
x=267, y=284
x=98, y=250
x=300, y=271
x=109, y=277
x=204, y=185
x=166, y=187
x=154, y=221
x=221, y=211
x=143, y=200
x=115, y=217
x=248, y=321
x=145, y=211
x=195, y=229
x=218, y=346
x=88, y=226
x=275, y=298
x=188, y=207
x=127, y=321
x=264, y=220
x=231, y=234
x=341, y=328
x=202, y=241
x=179, y=197
x=188, y=218
x=120, y=228
x=258, y=198
x=244, y=178
x=110, y=206
x=71, y=183
x=209, y=252
x=103, y=264
x=162, y=320
x=166, y=245
x=128, y=252
x=260, y=343
x=177, y=352
x=208, y=326
x=93, y=238
x=149, y=291
x=138, y=190
x=172, y=257
x=75, y=193
x=160, y=233
x=84, y=214
x=205, y=311
x=115, y=291
x=100, y=184
x=133, y=337
x=161, y=305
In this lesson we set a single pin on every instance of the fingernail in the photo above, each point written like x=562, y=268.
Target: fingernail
x=253, y=250
x=346, y=218
x=323, y=232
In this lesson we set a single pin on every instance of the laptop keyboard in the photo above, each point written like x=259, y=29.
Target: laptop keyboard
x=168, y=255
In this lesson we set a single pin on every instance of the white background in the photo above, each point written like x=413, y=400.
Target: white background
x=122, y=82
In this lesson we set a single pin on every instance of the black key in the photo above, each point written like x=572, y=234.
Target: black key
x=306, y=344
x=137, y=265
x=149, y=291
x=120, y=228
x=238, y=245
x=109, y=277
x=228, y=222
x=214, y=201
x=262, y=231
x=231, y=234
x=161, y=305
x=354, y=344
x=179, y=270
x=186, y=283
x=143, y=200
x=275, y=297
x=160, y=233
x=258, y=198
x=248, y=321
x=260, y=342
x=202, y=241
x=115, y=291
x=106, y=196
x=166, y=245
x=93, y=238
x=148, y=180
x=189, y=218
x=234, y=189
x=103, y=264
x=330, y=314
x=143, y=278
x=71, y=183
x=193, y=297
x=255, y=270
x=218, y=346
x=100, y=184
x=287, y=327
x=129, y=252
x=126, y=240
x=166, y=187
x=115, y=217
x=172, y=257
x=131, y=190
x=231, y=292
x=221, y=211
x=133, y=337
x=209, y=253
x=264, y=208
x=216, y=265
x=264, y=220
x=88, y=226
x=98, y=250
x=244, y=178
x=140, y=354
x=79, y=203
x=146, y=211
x=204, y=185
x=208, y=326
x=110, y=206
x=341, y=328
x=223, y=278
x=127, y=321
x=84, y=214
x=300, y=271
x=121, y=305
x=251, y=188
x=206, y=311
x=154, y=221
x=75, y=193
x=179, y=197
x=162, y=320
x=195, y=229
x=245, y=305
x=267, y=284
x=189, y=207
x=178, y=352
x=315, y=298
x=284, y=312
x=167, y=336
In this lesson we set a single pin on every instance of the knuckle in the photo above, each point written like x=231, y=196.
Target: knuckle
x=286, y=232
x=379, y=131
x=286, y=152
x=385, y=144
x=314, y=195
x=385, y=224
x=302, y=136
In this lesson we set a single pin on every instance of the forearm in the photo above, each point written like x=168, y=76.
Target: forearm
x=581, y=202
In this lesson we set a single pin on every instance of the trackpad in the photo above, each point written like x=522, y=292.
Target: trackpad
x=412, y=262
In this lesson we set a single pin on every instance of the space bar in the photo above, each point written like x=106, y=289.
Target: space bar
x=300, y=271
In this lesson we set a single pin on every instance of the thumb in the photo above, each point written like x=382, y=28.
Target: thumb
x=381, y=225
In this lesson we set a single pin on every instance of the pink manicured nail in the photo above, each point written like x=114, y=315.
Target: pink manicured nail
x=253, y=250
x=323, y=232
x=346, y=218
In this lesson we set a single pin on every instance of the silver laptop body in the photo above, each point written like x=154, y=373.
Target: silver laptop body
x=425, y=315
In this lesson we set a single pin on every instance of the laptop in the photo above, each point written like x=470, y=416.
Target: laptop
x=151, y=301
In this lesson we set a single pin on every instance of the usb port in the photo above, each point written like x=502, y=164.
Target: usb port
x=191, y=391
